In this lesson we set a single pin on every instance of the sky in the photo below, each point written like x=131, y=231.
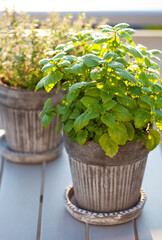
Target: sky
x=83, y=5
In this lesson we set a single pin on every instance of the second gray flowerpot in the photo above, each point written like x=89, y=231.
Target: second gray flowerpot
x=20, y=111
x=102, y=184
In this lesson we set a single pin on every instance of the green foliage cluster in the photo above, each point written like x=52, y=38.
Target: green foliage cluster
x=114, y=92
x=23, y=43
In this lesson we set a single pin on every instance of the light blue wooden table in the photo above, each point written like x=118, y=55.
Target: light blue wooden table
x=32, y=207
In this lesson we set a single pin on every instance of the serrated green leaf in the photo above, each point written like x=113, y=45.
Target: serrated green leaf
x=68, y=126
x=109, y=105
x=47, y=103
x=52, y=79
x=121, y=113
x=141, y=118
x=77, y=68
x=133, y=51
x=106, y=97
x=124, y=34
x=71, y=96
x=115, y=65
x=155, y=51
x=64, y=63
x=75, y=114
x=119, y=134
x=41, y=83
x=82, y=136
x=69, y=58
x=108, y=145
x=127, y=101
x=100, y=40
x=60, y=47
x=126, y=75
x=88, y=101
x=159, y=102
x=146, y=99
x=44, y=61
x=130, y=130
x=46, y=119
x=91, y=60
x=84, y=118
x=153, y=139
x=47, y=66
x=50, y=53
x=108, y=120
x=78, y=85
x=94, y=74
x=93, y=92
x=121, y=26
x=110, y=56
x=59, y=55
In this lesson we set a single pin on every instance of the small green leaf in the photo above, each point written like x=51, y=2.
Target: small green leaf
x=88, y=102
x=77, y=68
x=93, y=92
x=110, y=56
x=47, y=66
x=109, y=105
x=159, y=102
x=82, y=136
x=91, y=60
x=46, y=119
x=153, y=139
x=59, y=55
x=121, y=26
x=75, y=114
x=106, y=97
x=68, y=126
x=127, y=102
x=130, y=130
x=126, y=75
x=119, y=133
x=141, y=118
x=44, y=61
x=100, y=40
x=41, y=83
x=121, y=113
x=108, y=120
x=64, y=63
x=108, y=145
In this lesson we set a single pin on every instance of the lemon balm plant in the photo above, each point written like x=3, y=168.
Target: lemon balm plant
x=114, y=98
x=118, y=98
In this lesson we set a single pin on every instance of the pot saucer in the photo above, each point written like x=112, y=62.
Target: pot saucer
x=96, y=218
x=32, y=158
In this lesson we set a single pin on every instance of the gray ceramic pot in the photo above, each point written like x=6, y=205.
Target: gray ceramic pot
x=20, y=111
x=102, y=184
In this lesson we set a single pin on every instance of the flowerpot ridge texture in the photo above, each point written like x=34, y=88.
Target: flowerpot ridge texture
x=104, y=184
x=20, y=111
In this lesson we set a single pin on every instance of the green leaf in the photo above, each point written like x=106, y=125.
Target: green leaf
x=69, y=58
x=130, y=130
x=108, y=120
x=100, y=40
x=64, y=63
x=47, y=66
x=153, y=139
x=59, y=55
x=124, y=34
x=46, y=119
x=75, y=114
x=121, y=26
x=141, y=118
x=60, y=47
x=155, y=51
x=109, y=105
x=146, y=99
x=127, y=102
x=52, y=79
x=82, y=136
x=84, y=118
x=159, y=102
x=110, y=55
x=115, y=65
x=93, y=92
x=91, y=60
x=47, y=103
x=121, y=113
x=44, y=61
x=68, y=126
x=106, y=97
x=94, y=74
x=119, y=133
x=78, y=85
x=41, y=83
x=88, y=102
x=108, y=145
x=71, y=96
x=133, y=51
x=77, y=68
x=127, y=76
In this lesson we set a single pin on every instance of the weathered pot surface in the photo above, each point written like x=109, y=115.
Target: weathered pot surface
x=104, y=184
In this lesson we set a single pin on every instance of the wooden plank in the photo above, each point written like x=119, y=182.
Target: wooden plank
x=119, y=232
x=57, y=223
x=19, y=201
x=149, y=224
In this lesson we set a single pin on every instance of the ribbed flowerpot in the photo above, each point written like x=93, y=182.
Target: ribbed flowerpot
x=102, y=184
x=20, y=111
